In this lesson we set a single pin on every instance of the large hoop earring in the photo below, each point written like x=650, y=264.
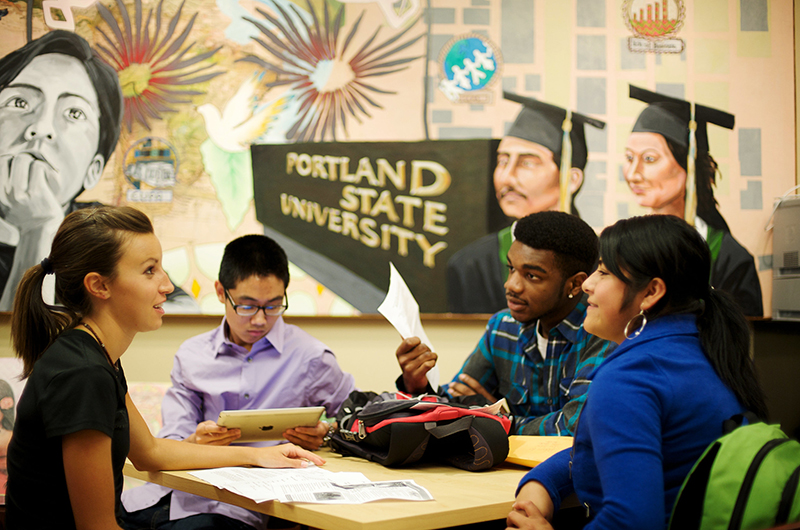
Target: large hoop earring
x=636, y=333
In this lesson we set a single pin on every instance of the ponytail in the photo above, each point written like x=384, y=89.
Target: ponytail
x=34, y=324
x=725, y=336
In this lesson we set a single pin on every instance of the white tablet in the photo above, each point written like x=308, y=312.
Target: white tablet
x=269, y=424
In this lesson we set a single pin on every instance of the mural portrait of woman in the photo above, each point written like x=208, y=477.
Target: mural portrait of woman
x=655, y=168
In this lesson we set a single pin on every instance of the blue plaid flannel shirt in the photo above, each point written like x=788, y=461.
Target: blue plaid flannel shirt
x=545, y=396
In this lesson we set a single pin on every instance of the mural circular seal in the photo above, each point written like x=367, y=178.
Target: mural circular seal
x=471, y=62
x=151, y=162
x=654, y=19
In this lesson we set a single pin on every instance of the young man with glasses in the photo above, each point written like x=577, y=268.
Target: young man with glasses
x=252, y=360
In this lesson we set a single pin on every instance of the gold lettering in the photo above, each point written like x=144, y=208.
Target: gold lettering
x=386, y=237
x=429, y=251
x=369, y=237
x=344, y=174
x=332, y=161
x=320, y=214
x=349, y=200
x=286, y=205
x=291, y=159
x=398, y=176
x=318, y=167
x=350, y=225
x=434, y=213
x=299, y=208
x=365, y=170
x=403, y=237
x=409, y=203
x=334, y=220
x=303, y=165
x=366, y=194
x=441, y=178
x=385, y=205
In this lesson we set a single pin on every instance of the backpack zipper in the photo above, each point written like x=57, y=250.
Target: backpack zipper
x=787, y=498
x=747, y=483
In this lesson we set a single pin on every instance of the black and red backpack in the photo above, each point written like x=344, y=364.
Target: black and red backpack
x=395, y=429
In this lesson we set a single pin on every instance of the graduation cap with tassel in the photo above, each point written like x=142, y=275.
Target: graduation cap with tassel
x=558, y=129
x=684, y=123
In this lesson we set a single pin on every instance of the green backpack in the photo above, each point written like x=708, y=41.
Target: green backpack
x=746, y=479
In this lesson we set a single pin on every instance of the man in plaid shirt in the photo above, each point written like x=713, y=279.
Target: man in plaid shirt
x=535, y=354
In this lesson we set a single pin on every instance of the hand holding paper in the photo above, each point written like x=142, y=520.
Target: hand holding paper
x=402, y=311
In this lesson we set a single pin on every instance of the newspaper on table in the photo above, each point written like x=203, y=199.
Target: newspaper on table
x=402, y=311
x=311, y=485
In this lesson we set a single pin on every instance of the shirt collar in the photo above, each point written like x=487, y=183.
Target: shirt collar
x=273, y=339
x=702, y=227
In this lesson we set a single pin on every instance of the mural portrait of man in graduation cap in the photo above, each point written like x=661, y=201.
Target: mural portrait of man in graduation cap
x=670, y=171
x=540, y=163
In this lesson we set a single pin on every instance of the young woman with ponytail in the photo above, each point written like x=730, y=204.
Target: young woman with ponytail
x=682, y=367
x=75, y=422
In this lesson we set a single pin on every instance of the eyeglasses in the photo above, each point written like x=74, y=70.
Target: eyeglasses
x=246, y=310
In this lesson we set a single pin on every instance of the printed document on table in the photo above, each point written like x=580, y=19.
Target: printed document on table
x=404, y=490
x=402, y=311
x=311, y=485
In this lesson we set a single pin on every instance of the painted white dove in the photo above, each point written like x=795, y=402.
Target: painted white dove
x=241, y=122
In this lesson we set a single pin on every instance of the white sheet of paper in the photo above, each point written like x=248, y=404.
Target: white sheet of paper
x=311, y=484
x=402, y=311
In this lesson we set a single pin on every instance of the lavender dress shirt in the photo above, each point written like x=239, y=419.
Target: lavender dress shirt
x=286, y=368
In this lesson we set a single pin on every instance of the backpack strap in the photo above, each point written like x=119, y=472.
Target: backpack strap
x=737, y=420
x=441, y=431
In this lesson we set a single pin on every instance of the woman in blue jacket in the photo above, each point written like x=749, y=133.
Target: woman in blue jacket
x=660, y=398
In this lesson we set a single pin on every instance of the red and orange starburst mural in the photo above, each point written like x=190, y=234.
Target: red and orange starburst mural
x=328, y=75
x=156, y=71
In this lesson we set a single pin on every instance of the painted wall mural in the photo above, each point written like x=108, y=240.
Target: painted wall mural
x=580, y=105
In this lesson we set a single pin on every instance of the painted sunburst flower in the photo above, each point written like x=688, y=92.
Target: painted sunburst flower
x=329, y=80
x=156, y=72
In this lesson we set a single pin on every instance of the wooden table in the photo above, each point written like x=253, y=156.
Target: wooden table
x=460, y=497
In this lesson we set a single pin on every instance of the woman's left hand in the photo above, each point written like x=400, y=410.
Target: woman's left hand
x=285, y=455
x=526, y=515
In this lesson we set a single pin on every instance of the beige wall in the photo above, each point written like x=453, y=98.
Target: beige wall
x=364, y=346
x=796, y=93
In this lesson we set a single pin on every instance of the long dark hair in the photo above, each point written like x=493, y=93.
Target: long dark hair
x=88, y=240
x=706, y=171
x=638, y=249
